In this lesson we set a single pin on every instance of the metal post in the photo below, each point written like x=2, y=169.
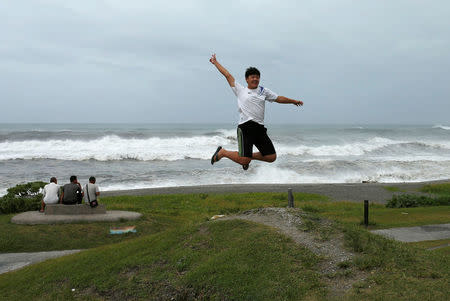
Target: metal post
x=290, y=198
x=366, y=213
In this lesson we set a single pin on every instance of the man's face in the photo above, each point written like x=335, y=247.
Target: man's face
x=252, y=81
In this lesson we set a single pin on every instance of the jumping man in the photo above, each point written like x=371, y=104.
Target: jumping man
x=251, y=131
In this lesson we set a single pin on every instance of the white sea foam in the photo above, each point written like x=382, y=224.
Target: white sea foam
x=113, y=147
x=354, y=148
x=389, y=173
x=443, y=127
x=139, y=185
x=229, y=134
x=266, y=174
x=348, y=149
x=327, y=171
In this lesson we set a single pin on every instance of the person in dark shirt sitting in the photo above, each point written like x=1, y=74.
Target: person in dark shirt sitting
x=72, y=192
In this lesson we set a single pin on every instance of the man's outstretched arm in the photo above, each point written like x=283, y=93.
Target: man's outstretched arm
x=282, y=99
x=228, y=76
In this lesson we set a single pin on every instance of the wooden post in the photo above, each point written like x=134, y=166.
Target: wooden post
x=366, y=213
x=290, y=198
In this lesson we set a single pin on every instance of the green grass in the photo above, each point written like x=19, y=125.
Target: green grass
x=160, y=212
x=393, y=189
x=380, y=217
x=397, y=270
x=434, y=243
x=215, y=260
x=440, y=189
x=168, y=211
x=178, y=253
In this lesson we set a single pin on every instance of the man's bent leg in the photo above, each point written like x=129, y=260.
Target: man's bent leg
x=234, y=156
x=266, y=158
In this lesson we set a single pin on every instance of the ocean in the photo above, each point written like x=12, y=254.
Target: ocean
x=130, y=156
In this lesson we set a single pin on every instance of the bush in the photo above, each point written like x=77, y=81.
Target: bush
x=22, y=197
x=411, y=200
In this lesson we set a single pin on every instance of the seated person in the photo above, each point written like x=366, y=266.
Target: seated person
x=91, y=191
x=72, y=193
x=50, y=193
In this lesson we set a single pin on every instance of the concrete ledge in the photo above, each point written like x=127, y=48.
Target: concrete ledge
x=419, y=233
x=36, y=217
x=60, y=209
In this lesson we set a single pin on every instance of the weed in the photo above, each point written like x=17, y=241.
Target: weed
x=344, y=264
x=371, y=223
x=308, y=225
x=326, y=232
x=340, y=274
x=393, y=189
x=412, y=200
x=311, y=208
x=279, y=197
x=442, y=188
x=203, y=196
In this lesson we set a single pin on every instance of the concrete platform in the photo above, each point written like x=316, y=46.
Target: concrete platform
x=36, y=217
x=60, y=209
x=414, y=234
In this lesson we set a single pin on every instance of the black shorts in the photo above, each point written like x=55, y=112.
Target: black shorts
x=252, y=133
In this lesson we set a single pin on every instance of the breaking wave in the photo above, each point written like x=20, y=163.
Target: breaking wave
x=112, y=147
x=442, y=127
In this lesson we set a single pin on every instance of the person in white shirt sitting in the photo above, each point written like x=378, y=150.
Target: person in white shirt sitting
x=50, y=193
x=91, y=191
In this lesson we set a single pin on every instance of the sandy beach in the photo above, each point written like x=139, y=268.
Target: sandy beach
x=354, y=192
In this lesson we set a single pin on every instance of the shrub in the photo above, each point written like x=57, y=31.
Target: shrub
x=22, y=197
x=411, y=200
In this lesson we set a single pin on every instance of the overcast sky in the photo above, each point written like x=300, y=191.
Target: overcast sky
x=148, y=61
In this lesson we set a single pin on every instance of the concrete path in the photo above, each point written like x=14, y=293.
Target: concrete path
x=36, y=217
x=14, y=261
x=414, y=234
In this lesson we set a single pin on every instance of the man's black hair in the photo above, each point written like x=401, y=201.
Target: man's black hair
x=252, y=71
x=92, y=179
x=53, y=179
x=73, y=179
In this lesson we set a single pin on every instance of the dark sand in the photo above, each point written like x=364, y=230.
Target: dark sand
x=354, y=192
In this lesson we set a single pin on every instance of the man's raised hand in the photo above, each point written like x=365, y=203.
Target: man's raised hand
x=213, y=59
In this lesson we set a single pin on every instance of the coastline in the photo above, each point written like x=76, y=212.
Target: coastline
x=353, y=192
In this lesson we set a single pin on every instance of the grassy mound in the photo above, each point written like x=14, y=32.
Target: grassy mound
x=223, y=260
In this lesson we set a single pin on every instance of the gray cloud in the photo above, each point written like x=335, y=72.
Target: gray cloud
x=147, y=61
